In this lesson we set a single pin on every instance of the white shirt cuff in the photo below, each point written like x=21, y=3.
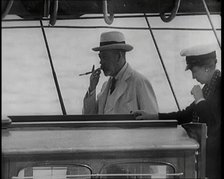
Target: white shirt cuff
x=202, y=99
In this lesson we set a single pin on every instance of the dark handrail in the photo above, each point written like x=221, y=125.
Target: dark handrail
x=7, y=9
x=53, y=13
x=46, y=8
x=108, y=19
x=172, y=14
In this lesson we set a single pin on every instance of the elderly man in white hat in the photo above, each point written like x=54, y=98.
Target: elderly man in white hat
x=206, y=108
x=126, y=90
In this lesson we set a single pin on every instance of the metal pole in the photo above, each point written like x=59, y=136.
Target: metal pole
x=53, y=72
x=157, y=48
x=209, y=18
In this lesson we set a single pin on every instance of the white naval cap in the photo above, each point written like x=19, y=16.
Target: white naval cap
x=199, y=55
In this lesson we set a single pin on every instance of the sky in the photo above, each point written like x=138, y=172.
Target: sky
x=27, y=83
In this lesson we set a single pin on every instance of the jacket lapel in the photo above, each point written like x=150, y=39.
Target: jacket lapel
x=102, y=97
x=120, y=90
x=123, y=84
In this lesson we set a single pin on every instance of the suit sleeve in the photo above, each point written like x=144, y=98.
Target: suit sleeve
x=146, y=97
x=206, y=110
x=209, y=110
x=90, y=103
x=183, y=116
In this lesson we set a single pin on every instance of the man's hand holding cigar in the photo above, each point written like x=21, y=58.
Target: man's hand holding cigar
x=94, y=78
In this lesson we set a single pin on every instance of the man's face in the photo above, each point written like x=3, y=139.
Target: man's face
x=108, y=62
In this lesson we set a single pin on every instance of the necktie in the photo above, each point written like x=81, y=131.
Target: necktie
x=112, y=87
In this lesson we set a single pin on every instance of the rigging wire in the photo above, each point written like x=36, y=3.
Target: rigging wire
x=161, y=60
x=209, y=18
x=53, y=71
x=112, y=27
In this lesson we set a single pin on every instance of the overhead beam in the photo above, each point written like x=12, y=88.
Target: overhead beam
x=76, y=8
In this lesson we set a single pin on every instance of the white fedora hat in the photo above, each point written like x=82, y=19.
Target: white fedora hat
x=112, y=40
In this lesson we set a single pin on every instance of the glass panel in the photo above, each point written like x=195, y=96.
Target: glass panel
x=74, y=56
x=152, y=169
x=56, y=172
x=27, y=83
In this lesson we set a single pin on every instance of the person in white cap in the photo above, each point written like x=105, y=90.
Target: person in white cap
x=126, y=90
x=206, y=108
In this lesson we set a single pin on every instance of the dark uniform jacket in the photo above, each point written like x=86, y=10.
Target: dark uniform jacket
x=209, y=112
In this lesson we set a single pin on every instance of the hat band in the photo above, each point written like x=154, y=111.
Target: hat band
x=111, y=42
x=196, y=58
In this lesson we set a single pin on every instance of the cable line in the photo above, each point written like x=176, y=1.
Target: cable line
x=53, y=71
x=157, y=48
x=112, y=27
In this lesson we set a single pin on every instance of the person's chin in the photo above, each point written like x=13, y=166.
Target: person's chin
x=106, y=73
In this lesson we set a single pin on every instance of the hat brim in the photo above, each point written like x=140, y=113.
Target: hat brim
x=188, y=67
x=124, y=47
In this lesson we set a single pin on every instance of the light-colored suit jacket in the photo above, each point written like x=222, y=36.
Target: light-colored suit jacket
x=133, y=92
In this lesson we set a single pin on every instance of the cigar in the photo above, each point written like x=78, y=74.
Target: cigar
x=86, y=73
x=93, y=68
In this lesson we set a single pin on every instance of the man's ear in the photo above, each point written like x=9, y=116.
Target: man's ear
x=120, y=55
